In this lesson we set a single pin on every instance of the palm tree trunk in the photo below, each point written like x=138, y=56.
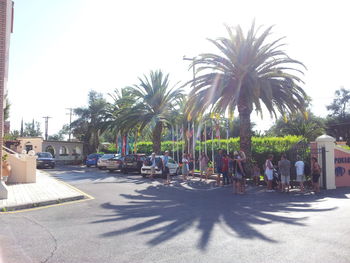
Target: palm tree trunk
x=157, y=133
x=246, y=137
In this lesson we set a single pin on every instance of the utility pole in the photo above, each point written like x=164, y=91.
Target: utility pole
x=70, y=122
x=46, y=126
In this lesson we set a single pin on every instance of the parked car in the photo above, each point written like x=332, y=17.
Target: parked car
x=92, y=159
x=45, y=160
x=102, y=162
x=172, y=164
x=115, y=163
x=133, y=163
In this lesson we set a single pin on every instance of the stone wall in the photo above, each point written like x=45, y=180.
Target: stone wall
x=64, y=152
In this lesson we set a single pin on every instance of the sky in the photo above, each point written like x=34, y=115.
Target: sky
x=62, y=49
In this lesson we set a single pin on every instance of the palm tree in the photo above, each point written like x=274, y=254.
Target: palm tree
x=90, y=122
x=248, y=73
x=154, y=105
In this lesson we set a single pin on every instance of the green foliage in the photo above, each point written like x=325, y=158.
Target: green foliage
x=261, y=146
x=60, y=135
x=90, y=122
x=345, y=147
x=32, y=129
x=338, y=121
x=310, y=128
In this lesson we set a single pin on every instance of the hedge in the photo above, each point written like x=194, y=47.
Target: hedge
x=261, y=146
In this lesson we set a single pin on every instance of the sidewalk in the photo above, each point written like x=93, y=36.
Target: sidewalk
x=46, y=191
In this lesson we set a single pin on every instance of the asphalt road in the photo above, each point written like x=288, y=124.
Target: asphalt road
x=133, y=219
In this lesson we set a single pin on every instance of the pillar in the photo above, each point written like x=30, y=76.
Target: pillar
x=328, y=143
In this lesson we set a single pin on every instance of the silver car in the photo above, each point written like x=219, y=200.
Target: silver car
x=103, y=161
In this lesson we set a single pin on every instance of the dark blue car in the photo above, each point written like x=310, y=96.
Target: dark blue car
x=92, y=159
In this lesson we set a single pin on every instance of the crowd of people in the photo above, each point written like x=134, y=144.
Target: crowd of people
x=232, y=169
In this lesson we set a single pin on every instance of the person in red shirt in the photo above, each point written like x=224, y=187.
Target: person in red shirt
x=225, y=161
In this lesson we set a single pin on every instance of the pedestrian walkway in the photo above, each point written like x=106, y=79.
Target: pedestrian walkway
x=46, y=191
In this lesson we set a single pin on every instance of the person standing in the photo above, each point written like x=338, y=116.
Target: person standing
x=284, y=168
x=243, y=160
x=300, y=166
x=269, y=172
x=184, y=166
x=256, y=174
x=191, y=164
x=238, y=174
x=218, y=165
x=204, y=165
x=166, y=172
x=316, y=173
x=153, y=165
x=225, y=163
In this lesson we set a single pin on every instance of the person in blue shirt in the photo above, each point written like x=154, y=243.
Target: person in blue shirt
x=166, y=167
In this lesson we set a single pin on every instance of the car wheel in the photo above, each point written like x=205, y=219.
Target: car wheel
x=52, y=166
x=111, y=170
x=124, y=171
x=144, y=175
x=99, y=167
x=88, y=165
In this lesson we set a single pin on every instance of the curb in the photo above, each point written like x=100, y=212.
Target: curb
x=41, y=203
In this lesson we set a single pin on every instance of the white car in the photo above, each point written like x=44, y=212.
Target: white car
x=102, y=163
x=173, y=166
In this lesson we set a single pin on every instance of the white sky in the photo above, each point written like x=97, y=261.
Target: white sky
x=61, y=49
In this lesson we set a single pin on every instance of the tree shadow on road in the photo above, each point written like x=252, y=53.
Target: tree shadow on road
x=167, y=211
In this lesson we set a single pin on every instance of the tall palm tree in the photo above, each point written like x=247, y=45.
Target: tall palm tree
x=155, y=102
x=247, y=73
x=90, y=122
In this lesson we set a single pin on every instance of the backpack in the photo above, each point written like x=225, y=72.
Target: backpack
x=160, y=164
x=307, y=169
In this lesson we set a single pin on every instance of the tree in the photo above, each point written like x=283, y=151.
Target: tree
x=32, y=129
x=340, y=105
x=61, y=134
x=338, y=120
x=310, y=128
x=248, y=73
x=90, y=123
x=154, y=105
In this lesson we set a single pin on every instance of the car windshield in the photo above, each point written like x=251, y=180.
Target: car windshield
x=107, y=156
x=44, y=155
x=90, y=156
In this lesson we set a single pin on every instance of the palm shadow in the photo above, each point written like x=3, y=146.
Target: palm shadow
x=168, y=211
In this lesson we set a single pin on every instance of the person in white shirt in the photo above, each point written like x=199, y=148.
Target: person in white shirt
x=299, y=167
x=153, y=165
x=269, y=172
x=185, y=168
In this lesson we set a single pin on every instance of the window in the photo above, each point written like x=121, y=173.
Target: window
x=50, y=149
x=63, y=151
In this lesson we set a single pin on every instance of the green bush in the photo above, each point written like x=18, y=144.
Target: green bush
x=261, y=146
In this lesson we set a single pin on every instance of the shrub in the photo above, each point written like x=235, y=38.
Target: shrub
x=261, y=146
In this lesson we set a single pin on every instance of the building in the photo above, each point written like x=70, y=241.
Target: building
x=6, y=28
x=64, y=152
